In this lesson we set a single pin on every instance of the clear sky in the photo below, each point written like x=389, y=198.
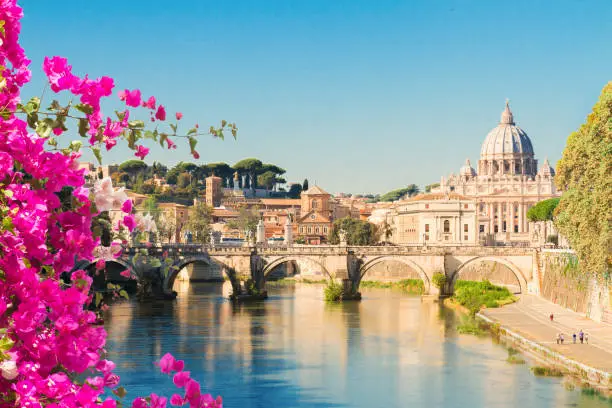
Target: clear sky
x=359, y=96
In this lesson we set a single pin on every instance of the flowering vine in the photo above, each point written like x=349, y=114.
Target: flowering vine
x=48, y=338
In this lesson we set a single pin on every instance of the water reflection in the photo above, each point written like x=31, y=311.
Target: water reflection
x=295, y=350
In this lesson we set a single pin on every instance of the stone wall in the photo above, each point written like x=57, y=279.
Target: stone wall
x=494, y=272
x=562, y=282
x=390, y=271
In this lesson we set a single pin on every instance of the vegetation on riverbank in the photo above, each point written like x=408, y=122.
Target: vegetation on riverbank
x=407, y=285
x=475, y=295
x=333, y=291
x=291, y=281
x=514, y=357
x=546, y=371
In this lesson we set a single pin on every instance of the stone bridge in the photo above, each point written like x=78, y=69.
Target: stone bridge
x=346, y=264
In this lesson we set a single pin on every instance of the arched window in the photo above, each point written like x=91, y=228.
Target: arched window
x=316, y=230
x=446, y=226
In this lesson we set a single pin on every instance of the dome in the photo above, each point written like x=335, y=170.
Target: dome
x=467, y=169
x=546, y=169
x=506, y=139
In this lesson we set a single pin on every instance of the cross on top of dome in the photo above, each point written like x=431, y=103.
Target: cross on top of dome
x=506, y=117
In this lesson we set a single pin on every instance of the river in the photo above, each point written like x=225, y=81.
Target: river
x=294, y=350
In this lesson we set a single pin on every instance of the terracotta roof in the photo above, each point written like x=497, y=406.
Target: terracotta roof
x=222, y=212
x=439, y=196
x=314, y=190
x=281, y=201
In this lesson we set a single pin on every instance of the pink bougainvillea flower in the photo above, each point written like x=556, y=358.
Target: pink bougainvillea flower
x=179, y=116
x=129, y=222
x=195, y=155
x=126, y=207
x=149, y=103
x=132, y=98
x=126, y=273
x=59, y=73
x=57, y=131
x=101, y=264
x=161, y=113
x=141, y=152
x=171, y=144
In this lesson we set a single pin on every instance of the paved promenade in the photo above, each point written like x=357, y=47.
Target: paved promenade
x=530, y=318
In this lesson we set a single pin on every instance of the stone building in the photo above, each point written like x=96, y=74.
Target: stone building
x=315, y=221
x=433, y=219
x=507, y=183
x=214, y=191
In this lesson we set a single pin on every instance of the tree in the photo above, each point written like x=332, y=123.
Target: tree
x=358, y=232
x=199, y=222
x=429, y=187
x=133, y=168
x=158, y=169
x=305, y=185
x=246, y=221
x=251, y=167
x=267, y=180
x=394, y=195
x=543, y=211
x=295, y=190
x=183, y=180
x=583, y=174
x=222, y=170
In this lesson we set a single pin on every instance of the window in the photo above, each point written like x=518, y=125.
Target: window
x=497, y=228
x=446, y=226
x=446, y=237
x=426, y=237
x=504, y=228
x=325, y=230
x=301, y=230
x=426, y=227
x=317, y=230
x=481, y=228
x=426, y=205
x=314, y=204
x=465, y=237
x=465, y=228
x=516, y=228
x=465, y=206
x=312, y=217
x=309, y=230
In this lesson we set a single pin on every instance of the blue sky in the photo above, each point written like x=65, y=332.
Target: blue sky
x=359, y=96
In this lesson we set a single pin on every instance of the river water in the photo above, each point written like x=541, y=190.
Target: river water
x=294, y=350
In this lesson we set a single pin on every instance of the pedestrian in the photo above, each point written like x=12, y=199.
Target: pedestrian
x=558, y=338
x=581, y=335
x=586, y=338
x=551, y=317
x=562, y=338
x=574, y=337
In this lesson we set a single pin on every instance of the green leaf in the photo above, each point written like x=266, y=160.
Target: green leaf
x=173, y=127
x=136, y=124
x=32, y=120
x=7, y=223
x=55, y=105
x=85, y=108
x=162, y=138
x=99, y=297
x=75, y=145
x=124, y=294
x=132, y=140
x=192, y=143
x=223, y=123
x=150, y=135
x=120, y=392
x=192, y=131
x=32, y=106
x=83, y=127
x=155, y=263
x=96, y=152
x=6, y=344
x=43, y=128
x=52, y=141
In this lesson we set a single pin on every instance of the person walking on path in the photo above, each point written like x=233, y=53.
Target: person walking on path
x=562, y=337
x=586, y=338
x=551, y=317
x=558, y=338
x=574, y=337
x=581, y=335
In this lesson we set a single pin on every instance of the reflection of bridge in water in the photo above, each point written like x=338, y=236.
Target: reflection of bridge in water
x=512, y=267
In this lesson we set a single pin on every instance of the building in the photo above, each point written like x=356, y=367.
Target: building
x=435, y=218
x=316, y=219
x=214, y=191
x=507, y=183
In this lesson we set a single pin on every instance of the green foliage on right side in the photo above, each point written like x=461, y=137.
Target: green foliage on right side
x=439, y=279
x=474, y=295
x=583, y=174
x=333, y=291
x=358, y=232
x=543, y=211
x=394, y=195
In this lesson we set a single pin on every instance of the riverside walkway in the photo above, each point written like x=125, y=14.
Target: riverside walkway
x=530, y=317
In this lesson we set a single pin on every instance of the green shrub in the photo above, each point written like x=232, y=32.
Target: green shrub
x=473, y=295
x=546, y=371
x=543, y=211
x=439, y=280
x=407, y=285
x=333, y=291
x=553, y=239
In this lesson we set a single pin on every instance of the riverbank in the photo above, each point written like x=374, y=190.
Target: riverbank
x=526, y=325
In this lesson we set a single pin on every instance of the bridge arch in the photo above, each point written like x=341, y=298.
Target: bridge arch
x=518, y=273
x=296, y=258
x=411, y=264
x=183, y=262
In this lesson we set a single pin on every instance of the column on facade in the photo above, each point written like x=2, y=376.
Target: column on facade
x=510, y=216
x=457, y=230
x=520, y=217
x=490, y=210
x=500, y=218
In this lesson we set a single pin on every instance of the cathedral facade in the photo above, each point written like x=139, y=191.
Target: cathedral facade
x=507, y=183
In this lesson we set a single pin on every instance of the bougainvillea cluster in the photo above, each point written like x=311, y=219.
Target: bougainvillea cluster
x=49, y=341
